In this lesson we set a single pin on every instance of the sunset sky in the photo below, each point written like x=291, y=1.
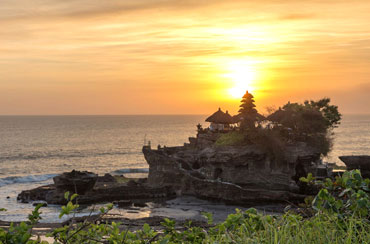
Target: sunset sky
x=181, y=57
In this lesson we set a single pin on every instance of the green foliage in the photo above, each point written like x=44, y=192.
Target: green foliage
x=270, y=141
x=209, y=217
x=70, y=207
x=230, y=139
x=309, y=179
x=22, y=233
x=348, y=195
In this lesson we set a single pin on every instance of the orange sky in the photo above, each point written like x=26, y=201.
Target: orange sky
x=181, y=57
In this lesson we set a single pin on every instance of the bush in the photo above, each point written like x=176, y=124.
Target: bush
x=348, y=195
x=233, y=138
x=271, y=142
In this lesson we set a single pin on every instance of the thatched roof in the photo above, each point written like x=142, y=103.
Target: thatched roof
x=237, y=118
x=277, y=116
x=220, y=117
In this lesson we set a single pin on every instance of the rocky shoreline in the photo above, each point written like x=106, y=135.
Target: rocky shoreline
x=92, y=189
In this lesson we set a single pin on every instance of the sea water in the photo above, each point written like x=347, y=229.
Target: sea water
x=33, y=149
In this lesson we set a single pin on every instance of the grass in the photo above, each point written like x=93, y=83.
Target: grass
x=230, y=139
x=292, y=228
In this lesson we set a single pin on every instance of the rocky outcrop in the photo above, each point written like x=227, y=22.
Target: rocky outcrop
x=75, y=181
x=358, y=162
x=105, y=190
x=106, y=178
x=241, y=175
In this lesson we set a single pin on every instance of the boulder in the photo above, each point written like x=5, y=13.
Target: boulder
x=123, y=203
x=75, y=181
x=106, y=178
x=361, y=162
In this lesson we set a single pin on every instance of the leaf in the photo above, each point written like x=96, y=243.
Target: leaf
x=73, y=196
x=344, y=192
x=109, y=206
x=66, y=195
x=146, y=228
x=303, y=179
x=208, y=216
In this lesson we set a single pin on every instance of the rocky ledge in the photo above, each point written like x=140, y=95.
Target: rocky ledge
x=94, y=189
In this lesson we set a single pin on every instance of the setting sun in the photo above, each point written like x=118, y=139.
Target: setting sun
x=242, y=74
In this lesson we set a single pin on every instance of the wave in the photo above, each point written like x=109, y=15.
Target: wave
x=25, y=179
x=130, y=171
x=62, y=154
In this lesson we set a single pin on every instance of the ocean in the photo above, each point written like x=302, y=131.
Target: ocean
x=33, y=149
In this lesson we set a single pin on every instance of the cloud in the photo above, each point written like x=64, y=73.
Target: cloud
x=297, y=16
x=41, y=9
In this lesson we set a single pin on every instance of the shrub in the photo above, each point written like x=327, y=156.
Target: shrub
x=233, y=138
x=348, y=195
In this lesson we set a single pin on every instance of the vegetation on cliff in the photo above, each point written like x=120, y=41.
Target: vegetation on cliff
x=311, y=122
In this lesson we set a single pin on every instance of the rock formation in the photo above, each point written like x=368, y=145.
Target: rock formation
x=236, y=174
x=75, y=181
x=103, y=191
x=358, y=162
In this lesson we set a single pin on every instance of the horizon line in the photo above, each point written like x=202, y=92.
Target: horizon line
x=94, y=114
x=3, y=115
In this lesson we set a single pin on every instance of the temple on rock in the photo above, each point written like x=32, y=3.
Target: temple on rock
x=220, y=121
x=240, y=159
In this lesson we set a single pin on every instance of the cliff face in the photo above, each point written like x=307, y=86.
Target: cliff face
x=237, y=174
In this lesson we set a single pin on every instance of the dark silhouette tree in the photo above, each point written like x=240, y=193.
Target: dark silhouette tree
x=330, y=112
x=247, y=112
x=311, y=122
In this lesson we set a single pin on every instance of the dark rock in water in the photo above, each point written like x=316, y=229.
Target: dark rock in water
x=140, y=204
x=123, y=203
x=7, y=197
x=101, y=193
x=75, y=181
x=358, y=162
x=106, y=178
x=43, y=204
x=46, y=193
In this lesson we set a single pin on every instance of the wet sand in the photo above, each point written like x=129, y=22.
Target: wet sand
x=180, y=209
